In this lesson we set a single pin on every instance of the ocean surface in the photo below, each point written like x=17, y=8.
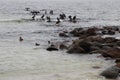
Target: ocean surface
x=25, y=61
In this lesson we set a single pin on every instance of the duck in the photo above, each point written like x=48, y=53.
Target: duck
x=20, y=39
x=37, y=44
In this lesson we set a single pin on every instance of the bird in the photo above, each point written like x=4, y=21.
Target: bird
x=36, y=44
x=20, y=39
x=58, y=21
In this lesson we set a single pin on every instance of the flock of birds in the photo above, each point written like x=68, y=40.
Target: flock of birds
x=48, y=18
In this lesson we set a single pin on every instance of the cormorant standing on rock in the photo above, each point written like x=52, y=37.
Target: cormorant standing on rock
x=58, y=21
x=33, y=17
x=48, y=19
x=42, y=17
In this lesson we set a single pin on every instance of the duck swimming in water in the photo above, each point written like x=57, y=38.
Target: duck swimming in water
x=20, y=39
x=74, y=19
x=70, y=18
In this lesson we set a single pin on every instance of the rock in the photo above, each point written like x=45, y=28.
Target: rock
x=104, y=31
x=77, y=32
x=118, y=43
x=110, y=40
x=111, y=73
x=63, y=46
x=75, y=49
x=53, y=46
x=86, y=46
x=94, y=48
x=111, y=32
x=52, y=49
x=94, y=39
x=112, y=52
x=63, y=35
x=96, y=67
x=91, y=31
x=117, y=60
x=80, y=46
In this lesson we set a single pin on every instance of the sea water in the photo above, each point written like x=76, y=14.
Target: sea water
x=25, y=61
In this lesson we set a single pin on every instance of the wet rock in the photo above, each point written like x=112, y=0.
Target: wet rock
x=117, y=61
x=118, y=43
x=91, y=31
x=110, y=40
x=80, y=47
x=104, y=31
x=94, y=39
x=63, y=35
x=111, y=32
x=111, y=73
x=63, y=46
x=75, y=49
x=94, y=48
x=112, y=52
x=52, y=48
x=85, y=31
x=86, y=46
x=77, y=32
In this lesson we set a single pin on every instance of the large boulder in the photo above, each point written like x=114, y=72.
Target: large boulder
x=80, y=46
x=111, y=73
